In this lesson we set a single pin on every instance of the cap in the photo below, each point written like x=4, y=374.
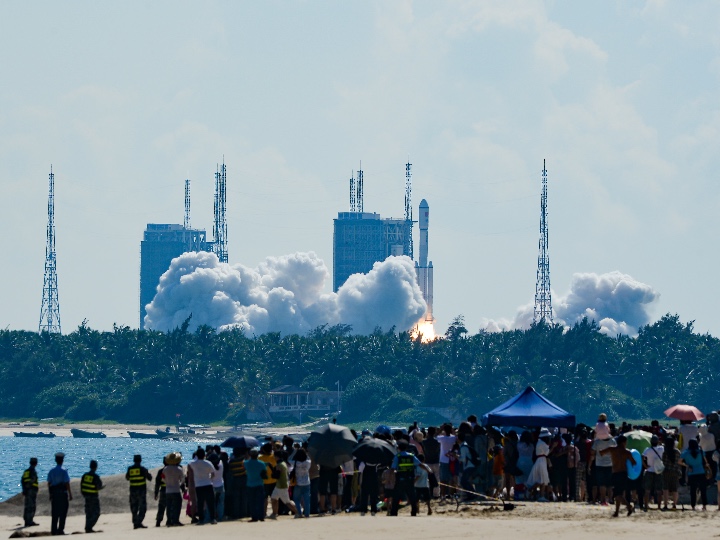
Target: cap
x=59, y=454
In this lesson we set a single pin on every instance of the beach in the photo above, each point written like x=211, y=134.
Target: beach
x=560, y=521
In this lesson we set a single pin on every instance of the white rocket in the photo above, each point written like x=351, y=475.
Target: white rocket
x=424, y=269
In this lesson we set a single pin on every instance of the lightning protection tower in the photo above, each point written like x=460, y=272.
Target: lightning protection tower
x=50, y=308
x=220, y=223
x=353, y=202
x=186, y=221
x=543, y=300
x=359, y=203
x=408, y=208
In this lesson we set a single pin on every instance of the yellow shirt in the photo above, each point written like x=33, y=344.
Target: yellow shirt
x=271, y=461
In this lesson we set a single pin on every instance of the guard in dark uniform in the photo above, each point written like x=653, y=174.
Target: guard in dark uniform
x=29, y=490
x=90, y=486
x=160, y=495
x=60, y=495
x=404, y=465
x=138, y=476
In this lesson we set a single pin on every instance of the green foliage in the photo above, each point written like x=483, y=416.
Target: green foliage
x=143, y=376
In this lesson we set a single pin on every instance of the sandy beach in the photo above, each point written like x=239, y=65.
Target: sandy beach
x=555, y=520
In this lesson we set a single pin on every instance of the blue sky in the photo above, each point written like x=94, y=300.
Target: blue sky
x=128, y=99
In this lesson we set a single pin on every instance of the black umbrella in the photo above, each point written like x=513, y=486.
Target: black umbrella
x=331, y=445
x=241, y=442
x=375, y=451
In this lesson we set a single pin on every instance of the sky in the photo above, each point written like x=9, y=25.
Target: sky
x=127, y=99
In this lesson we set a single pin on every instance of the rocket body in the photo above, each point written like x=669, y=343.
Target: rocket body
x=423, y=268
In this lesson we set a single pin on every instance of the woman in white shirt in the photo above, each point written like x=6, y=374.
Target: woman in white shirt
x=539, y=476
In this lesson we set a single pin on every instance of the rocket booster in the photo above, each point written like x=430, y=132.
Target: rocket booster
x=423, y=269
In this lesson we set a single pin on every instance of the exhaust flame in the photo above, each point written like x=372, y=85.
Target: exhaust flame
x=425, y=330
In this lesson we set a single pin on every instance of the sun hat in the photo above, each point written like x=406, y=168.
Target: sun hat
x=173, y=458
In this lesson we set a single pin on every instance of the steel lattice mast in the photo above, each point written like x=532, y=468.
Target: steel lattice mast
x=359, y=195
x=220, y=224
x=408, y=206
x=186, y=221
x=543, y=299
x=50, y=309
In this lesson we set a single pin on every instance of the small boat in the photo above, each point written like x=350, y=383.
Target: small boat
x=82, y=434
x=142, y=435
x=38, y=434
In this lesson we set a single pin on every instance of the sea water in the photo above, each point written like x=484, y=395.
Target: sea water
x=113, y=454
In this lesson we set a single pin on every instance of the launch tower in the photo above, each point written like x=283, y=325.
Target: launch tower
x=543, y=300
x=220, y=224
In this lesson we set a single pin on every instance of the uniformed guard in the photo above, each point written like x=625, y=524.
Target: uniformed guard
x=29, y=490
x=90, y=486
x=138, y=476
x=404, y=465
x=60, y=495
x=160, y=495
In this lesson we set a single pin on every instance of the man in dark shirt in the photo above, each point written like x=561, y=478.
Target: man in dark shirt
x=29, y=491
x=60, y=495
x=431, y=449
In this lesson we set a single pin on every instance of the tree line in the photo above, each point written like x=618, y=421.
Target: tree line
x=131, y=375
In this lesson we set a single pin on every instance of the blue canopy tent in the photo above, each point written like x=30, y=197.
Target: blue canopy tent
x=529, y=409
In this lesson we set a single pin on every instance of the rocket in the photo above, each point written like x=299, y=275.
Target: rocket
x=423, y=268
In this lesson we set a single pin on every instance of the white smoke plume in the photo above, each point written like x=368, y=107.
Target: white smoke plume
x=617, y=302
x=283, y=294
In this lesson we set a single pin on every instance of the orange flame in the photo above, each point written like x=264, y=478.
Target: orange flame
x=425, y=330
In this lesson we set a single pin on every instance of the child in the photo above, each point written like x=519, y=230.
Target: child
x=388, y=481
x=498, y=465
x=454, y=466
x=422, y=484
x=602, y=429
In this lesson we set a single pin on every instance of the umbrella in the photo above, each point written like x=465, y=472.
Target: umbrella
x=243, y=441
x=383, y=430
x=331, y=445
x=638, y=440
x=684, y=412
x=375, y=451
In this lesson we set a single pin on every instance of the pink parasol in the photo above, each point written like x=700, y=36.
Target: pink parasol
x=684, y=412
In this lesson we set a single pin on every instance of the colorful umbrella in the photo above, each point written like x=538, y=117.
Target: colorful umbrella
x=638, y=440
x=684, y=412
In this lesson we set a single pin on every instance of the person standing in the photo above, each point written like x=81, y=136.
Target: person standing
x=431, y=449
x=238, y=484
x=695, y=461
x=256, y=472
x=404, y=465
x=29, y=483
x=174, y=486
x=301, y=491
x=161, y=494
x=203, y=474
x=653, y=462
x=138, y=476
x=266, y=456
x=58, y=481
x=90, y=486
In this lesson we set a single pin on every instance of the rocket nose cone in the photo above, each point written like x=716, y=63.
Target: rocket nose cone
x=424, y=204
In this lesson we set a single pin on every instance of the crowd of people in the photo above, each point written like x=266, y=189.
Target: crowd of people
x=431, y=465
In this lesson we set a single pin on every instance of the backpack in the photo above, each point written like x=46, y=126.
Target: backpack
x=474, y=456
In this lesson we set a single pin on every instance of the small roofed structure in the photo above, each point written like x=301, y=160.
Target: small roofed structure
x=529, y=409
x=293, y=400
